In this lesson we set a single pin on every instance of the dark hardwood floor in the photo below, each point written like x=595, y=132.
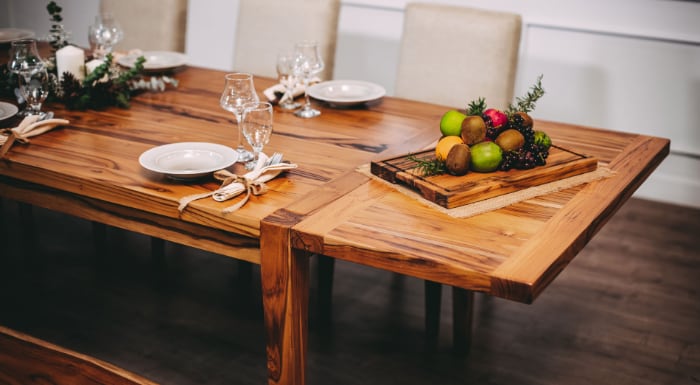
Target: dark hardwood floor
x=626, y=311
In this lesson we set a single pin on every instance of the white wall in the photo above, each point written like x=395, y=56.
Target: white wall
x=32, y=14
x=628, y=65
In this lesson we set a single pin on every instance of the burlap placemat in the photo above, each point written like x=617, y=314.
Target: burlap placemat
x=502, y=200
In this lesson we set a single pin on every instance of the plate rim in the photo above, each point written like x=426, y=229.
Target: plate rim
x=28, y=34
x=13, y=108
x=129, y=60
x=146, y=158
x=379, y=91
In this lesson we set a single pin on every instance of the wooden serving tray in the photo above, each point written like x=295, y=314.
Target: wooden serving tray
x=451, y=191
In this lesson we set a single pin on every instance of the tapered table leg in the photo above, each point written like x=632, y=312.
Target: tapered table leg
x=326, y=267
x=158, y=262
x=463, y=313
x=27, y=237
x=285, y=286
x=99, y=239
x=433, y=298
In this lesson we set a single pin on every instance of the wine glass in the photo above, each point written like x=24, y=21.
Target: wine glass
x=257, y=128
x=285, y=73
x=238, y=90
x=104, y=34
x=34, y=88
x=24, y=56
x=307, y=63
x=24, y=63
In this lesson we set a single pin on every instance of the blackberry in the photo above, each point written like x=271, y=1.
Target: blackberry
x=523, y=123
x=522, y=119
x=509, y=161
x=543, y=151
x=527, y=157
x=527, y=160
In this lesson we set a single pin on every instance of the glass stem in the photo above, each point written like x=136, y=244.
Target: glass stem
x=307, y=106
x=240, y=129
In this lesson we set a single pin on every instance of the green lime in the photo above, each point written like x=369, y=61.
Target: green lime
x=485, y=157
x=451, y=123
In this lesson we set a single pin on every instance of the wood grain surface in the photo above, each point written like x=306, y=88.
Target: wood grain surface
x=625, y=311
x=90, y=168
x=512, y=252
x=28, y=360
x=452, y=191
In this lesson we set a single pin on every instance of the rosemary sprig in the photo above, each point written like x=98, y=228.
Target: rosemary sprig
x=428, y=167
x=527, y=103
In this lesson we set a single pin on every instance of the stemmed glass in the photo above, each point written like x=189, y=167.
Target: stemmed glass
x=24, y=56
x=238, y=90
x=307, y=63
x=104, y=34
x=34, y=87
x=32, y=76
x=285, y=73
x=257, y=128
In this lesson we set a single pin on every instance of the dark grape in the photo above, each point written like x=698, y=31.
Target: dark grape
x=491, y=131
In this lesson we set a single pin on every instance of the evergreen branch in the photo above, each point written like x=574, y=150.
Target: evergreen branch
x=58, y=37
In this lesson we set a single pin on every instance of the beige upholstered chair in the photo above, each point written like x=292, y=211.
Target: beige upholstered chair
x=156, y=25
x=268, y=27
x=451, y=55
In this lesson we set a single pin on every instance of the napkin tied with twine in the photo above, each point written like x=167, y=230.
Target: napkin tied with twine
x=232, y=185
x=28, y=127
x=277, y=93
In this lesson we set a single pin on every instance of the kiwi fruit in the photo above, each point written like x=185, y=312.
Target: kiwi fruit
x=457, y=162
x=510, y=140
x=473, y=129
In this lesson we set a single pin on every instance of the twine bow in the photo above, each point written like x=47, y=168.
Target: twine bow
x=251, y=187
x=28, y=127
x=232, y=185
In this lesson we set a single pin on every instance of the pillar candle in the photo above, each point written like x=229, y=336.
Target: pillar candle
x=70, y=59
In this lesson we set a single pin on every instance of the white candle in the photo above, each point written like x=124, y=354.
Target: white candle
x=70, y=59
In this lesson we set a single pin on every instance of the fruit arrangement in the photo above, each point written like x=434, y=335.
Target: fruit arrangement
x=483, y=139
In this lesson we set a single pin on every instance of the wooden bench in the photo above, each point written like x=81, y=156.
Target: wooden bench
x=28, y=360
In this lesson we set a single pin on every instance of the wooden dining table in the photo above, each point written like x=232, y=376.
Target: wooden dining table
x=90, y=168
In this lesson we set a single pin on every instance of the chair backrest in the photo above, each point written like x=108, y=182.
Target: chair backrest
x=452, y=55
x=155, y=25
x=28, y=360
x=268, y=27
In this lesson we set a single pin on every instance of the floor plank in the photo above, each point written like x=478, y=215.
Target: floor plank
x=626, y=311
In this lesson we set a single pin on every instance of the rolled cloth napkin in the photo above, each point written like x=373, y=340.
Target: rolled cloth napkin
x=252, y=183
x=276, y=93
x=28, y=127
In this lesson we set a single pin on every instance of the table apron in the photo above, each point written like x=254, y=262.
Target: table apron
x=169, y=229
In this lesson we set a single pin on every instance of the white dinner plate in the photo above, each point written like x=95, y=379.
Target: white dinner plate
x=155, y=60
x=7, y=110
x=346, y=92
x=9, y=34
x=188, y=160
